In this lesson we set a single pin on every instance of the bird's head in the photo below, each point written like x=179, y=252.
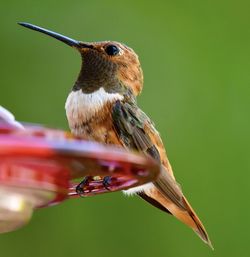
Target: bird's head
x=110, y=65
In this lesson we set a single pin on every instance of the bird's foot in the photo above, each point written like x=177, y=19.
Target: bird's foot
x=107, y=182
x=80, y=187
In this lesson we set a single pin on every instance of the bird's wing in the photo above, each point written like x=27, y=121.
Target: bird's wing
x=133, y=128
x=136, y=131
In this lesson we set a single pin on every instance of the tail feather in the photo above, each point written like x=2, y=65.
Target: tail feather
x=186, y=215
x=198, y=226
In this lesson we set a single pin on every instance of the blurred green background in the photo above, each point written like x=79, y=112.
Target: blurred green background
x=195, y=57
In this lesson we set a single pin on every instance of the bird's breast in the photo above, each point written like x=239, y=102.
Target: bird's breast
x=89, y=115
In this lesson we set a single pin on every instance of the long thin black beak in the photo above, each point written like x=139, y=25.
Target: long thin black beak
x=64, y=39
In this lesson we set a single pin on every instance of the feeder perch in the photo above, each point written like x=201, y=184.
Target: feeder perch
x=40, y=167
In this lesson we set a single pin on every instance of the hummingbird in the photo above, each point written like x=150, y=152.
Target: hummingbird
x=102, y=107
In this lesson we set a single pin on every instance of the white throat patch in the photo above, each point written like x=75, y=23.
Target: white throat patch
x=81, y=107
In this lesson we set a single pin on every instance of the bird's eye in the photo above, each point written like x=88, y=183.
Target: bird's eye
x=112, y=50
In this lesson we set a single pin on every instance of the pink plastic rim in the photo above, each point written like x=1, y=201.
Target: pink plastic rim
x=49, y=159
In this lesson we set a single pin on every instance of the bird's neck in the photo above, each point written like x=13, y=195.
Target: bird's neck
x=93, y=76
x=81, y=107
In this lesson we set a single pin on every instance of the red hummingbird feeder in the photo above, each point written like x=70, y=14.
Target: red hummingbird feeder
x=39, y=167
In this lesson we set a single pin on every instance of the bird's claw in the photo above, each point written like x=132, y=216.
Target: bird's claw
x=107, y=182
x=80, y=187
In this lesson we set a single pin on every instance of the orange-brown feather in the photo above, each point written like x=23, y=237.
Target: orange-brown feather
x=188, y=217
